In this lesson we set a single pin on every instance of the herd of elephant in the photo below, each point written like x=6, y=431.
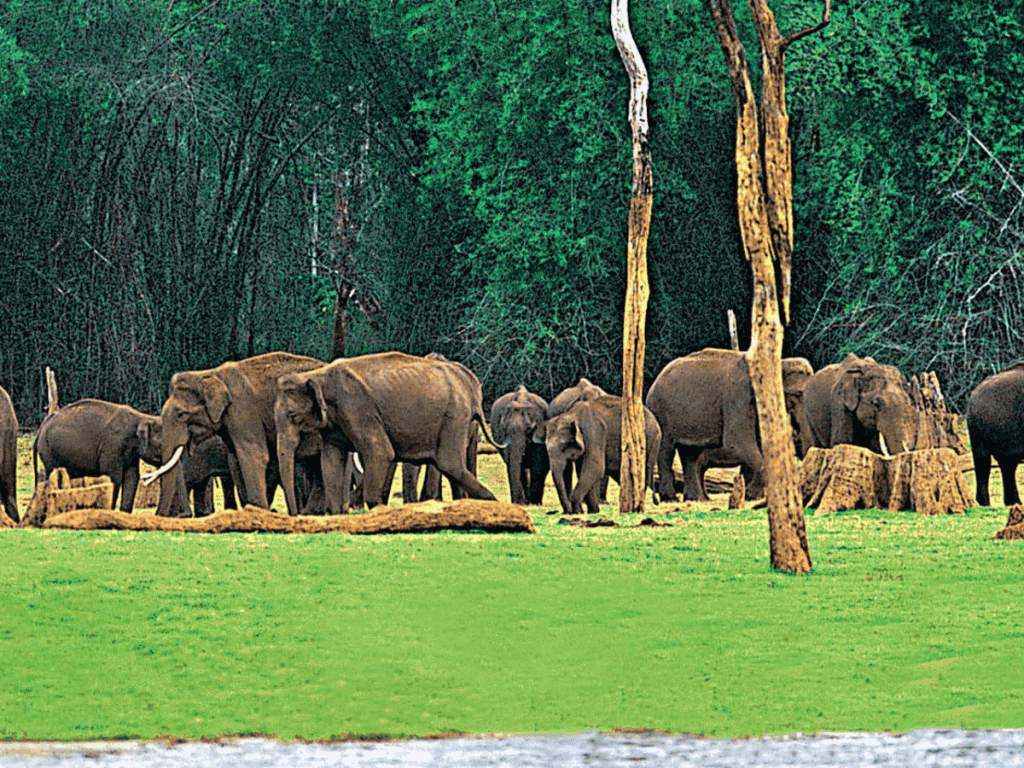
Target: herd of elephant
x=332, y=434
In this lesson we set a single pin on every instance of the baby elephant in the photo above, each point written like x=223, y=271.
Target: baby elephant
x=590, y=435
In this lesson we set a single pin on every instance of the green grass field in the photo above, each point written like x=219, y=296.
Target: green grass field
x=906, y=622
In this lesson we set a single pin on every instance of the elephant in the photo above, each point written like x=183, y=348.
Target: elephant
x=861, y=402
x=94, y=437
x=8, y=456
x=432, y=477
x=705, y=405
x=515, y=416
x=589, y=435
x=207, y=459
x=584, y=390
x=995, y=422
x=235, y=401
x=386, y=407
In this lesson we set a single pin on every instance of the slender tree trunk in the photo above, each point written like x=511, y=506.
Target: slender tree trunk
x=764, y=194
x=634, y=449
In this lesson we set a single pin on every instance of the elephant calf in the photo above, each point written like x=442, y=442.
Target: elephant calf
x=515, y=417
x=94, y=437
x=590, y=436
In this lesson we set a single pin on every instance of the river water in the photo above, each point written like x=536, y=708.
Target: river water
x=921, y=749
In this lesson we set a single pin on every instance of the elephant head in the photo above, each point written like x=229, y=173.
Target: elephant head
x=796, y=371
x=878, y=410
x=193, y=411
x=515, y=418
x=300, y=409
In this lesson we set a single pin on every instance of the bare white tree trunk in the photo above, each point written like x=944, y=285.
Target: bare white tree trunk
x=634, y=449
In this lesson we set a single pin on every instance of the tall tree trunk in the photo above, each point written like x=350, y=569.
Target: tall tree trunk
x=634, y=449
x=764, y=195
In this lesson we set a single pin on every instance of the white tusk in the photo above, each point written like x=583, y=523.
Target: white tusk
x=149, y=477
x=357, y=462
x=881, y=442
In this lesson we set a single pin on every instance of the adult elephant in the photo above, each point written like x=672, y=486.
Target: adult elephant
x=515, y=417
x=796, y=371
x=589, y=436
x=995, y=422
x=235, y=401
x=705, y=405
x=386, y=407
x=94, y=437
x=8, y=456
x=207, y=460
x=431, y=489
x=860, y=402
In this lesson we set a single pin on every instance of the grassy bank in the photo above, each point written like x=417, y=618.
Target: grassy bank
x=906, y=622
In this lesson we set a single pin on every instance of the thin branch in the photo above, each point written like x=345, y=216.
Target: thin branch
x=826, y=18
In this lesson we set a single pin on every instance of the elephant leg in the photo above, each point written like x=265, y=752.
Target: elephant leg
x=432, y=485
x=333, y=464
x=982, y=470
x=693, y=482
x=558, y=474
x=253, y=459
x=591, y=472
x=604, y=490
x=1008, y=468
x=538, y=469
x=410, y=482
x=202, y=497
x=666, y=477
x=451, y=461
x=228, y=489
x=378, y=458
x=129, y=485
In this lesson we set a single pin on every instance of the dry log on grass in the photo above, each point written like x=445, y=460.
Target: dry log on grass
x=849, y=477
x=60, y=494
x=459, y=515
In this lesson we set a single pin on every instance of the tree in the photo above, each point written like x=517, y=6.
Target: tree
x=632, y=474
x=765, y=197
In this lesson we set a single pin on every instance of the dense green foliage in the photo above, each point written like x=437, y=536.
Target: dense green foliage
x=182, y=183
x=684, y=629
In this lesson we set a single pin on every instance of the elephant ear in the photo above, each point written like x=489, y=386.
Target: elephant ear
x=540, y=433
x=574, y=444
x=216, y=398
x=849, y=389
x=316, y=389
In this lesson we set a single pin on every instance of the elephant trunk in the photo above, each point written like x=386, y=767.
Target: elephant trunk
x=514, y=453
x=172, y=480
x=288, y=437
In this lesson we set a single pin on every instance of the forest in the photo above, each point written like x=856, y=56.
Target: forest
x=184, y=183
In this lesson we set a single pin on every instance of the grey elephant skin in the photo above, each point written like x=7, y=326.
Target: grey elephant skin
x=515, y=417
x=432, y=476
x=861, y=402
x=8, y=456
x=386, y=407
x=995, y=422
x=705, y=405
x=582, y=391
x=796, y=371
x=206, y=460
x=235, y=401
x=589, y=435
x=94, y=437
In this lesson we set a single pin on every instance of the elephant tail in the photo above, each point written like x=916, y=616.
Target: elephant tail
x=478, y=416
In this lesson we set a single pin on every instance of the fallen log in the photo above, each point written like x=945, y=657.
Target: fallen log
x=928, y=481
x=424, y=517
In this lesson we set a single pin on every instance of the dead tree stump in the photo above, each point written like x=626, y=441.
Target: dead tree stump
x=60, y=494
x=927, y=481
x=936, y=427
x=1014, y=524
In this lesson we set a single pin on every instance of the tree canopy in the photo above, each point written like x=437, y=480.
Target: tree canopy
x=188, y=182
